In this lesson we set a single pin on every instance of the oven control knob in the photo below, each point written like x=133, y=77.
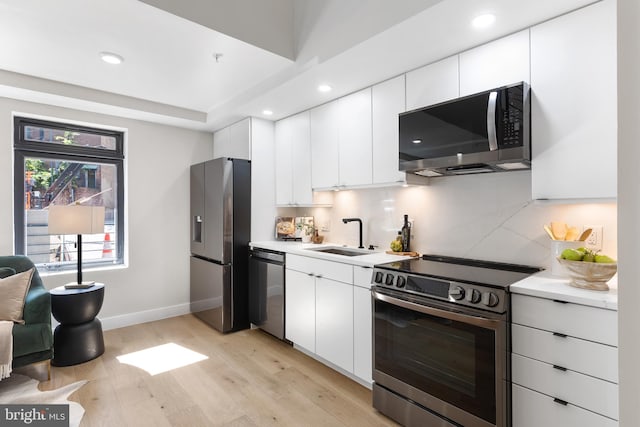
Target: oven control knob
x=379, y=276
x=490, y=299
x=473, y=296
x=400, y=282
x=389, y=279
x=457, y=293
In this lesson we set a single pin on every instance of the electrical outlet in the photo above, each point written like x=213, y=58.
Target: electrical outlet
x=594, y=241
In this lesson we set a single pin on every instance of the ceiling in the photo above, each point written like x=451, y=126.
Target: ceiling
x=272, y=57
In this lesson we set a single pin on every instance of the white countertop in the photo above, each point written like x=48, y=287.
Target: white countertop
x=545, y=285
x=298, y=248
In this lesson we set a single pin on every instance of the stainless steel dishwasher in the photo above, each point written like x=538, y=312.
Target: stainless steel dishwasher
x=266, y=291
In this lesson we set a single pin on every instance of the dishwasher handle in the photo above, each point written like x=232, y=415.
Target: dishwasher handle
x=266, y=255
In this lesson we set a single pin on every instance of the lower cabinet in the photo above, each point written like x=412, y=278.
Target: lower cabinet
x=300, y=309
x=327, y=315
x=362, y=328
x=334, y=322
x=564, y=364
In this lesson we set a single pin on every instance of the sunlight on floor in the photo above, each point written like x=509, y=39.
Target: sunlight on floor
x=162, y=358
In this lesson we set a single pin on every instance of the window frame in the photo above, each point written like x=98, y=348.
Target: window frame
x=39, y=149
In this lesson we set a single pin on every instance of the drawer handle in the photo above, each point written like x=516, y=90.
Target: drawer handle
x=319, y=276
x=560, y=301
x=560, y=368
x=558, y=334
x=560, y=401
x=310, y=274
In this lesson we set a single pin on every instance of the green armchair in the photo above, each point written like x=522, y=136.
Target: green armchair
x=32, y=341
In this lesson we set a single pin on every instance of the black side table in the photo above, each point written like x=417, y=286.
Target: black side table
x=78, y=338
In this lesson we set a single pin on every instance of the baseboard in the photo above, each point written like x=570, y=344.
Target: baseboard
x=129, y=319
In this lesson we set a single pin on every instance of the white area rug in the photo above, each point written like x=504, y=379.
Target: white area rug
x=20, y=389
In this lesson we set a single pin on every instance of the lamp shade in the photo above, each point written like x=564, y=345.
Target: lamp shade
x=76, y=219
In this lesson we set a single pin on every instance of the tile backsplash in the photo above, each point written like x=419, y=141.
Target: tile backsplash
x=488, y=217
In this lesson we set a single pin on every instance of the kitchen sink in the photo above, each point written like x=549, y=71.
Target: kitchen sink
x=341, y=251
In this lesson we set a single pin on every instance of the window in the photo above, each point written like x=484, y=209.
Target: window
x=61, y=164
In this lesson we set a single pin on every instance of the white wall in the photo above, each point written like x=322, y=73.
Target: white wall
x=629, y=212
x=488, y=216
x=156, y=282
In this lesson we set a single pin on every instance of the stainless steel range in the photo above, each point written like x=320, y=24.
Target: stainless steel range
x=441, y=328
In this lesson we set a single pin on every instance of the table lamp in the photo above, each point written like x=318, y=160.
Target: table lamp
x=76, y=219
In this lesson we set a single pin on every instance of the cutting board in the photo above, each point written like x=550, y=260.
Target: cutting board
x=412, y=253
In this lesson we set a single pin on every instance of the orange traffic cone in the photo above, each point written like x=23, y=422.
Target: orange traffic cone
x=107, y=248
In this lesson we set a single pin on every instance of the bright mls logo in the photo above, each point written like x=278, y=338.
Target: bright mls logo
x=34, y=415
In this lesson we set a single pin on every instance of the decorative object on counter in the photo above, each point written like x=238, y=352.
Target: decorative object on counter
x=406, y=234
x=588, y=269
x=396, y=245
x=316, y=237
x=561, y=231
x=304, y=228
x=589, y=275
x=285, y=228
x=557, y=247
x=563, y=237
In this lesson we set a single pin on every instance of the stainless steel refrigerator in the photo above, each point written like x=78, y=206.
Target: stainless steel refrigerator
x=220, y=234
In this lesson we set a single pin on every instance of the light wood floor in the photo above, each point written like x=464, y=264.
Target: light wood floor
x=249, y=379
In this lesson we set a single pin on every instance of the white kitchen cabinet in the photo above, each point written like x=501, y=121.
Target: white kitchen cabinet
x=324, y=146
x=362, y=329
x=293, y=161
x=573, y=110
x=501, y=62
x=233, y=141
x=355, y=150
x=388, y=101
x=334, y=322
x=300, y=309
x=433, y=83
x=564, y=363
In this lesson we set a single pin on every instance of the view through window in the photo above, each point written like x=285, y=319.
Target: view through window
x=62, y=164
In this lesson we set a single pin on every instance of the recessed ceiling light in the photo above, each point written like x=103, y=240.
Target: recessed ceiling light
x=324, y=88
x=267, y=112
x=417, y=141
x=111, y=58
x=483, y=21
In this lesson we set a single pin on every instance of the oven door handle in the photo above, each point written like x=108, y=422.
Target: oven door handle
x=451, y=315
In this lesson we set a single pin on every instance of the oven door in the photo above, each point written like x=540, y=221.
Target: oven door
x=450, y=362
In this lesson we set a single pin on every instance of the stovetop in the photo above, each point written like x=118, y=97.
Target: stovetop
x=488, y=273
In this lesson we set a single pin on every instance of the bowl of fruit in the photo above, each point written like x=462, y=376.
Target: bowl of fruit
x=588, y=269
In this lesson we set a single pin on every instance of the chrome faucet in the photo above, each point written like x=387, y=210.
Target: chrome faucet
x=346, y=220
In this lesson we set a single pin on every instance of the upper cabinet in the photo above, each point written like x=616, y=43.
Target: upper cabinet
x=433, y=83
x=573, y=109
x=233, y=141
x=499, y=63
x=324, y=146
x=388, y=101
x=293, y=161
x=354, y=130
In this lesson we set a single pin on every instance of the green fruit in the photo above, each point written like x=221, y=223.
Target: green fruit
x=396, y=246
x=589, y=257
x=583, y=250
x=572, y=255
x=604, y=258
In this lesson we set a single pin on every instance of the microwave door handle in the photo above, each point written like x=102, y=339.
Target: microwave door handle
x=491, y=121
x=451, y=315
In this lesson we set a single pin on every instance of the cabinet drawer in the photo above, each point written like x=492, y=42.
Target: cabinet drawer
x=533, y=409
x=362, y=276
x=319, y=267
x=581, y=321
x=597, y=360
x=581, y=390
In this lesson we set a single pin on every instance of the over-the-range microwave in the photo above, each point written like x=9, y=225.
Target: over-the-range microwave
x=484, y=132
